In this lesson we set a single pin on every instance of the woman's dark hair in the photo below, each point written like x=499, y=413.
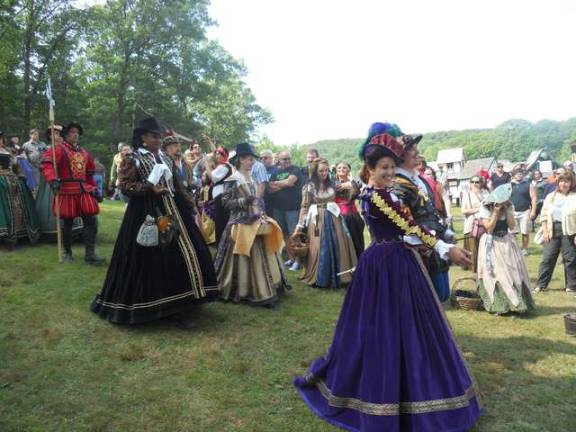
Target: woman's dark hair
x=432, y=170
x=371, y=157
x=315, y=178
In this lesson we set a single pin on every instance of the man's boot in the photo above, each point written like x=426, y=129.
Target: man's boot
x=67, y=241
x=91, y=258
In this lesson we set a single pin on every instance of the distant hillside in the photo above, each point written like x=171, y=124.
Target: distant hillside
x=513, y=140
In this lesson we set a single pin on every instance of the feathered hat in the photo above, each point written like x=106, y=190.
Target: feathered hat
x=384, y=135
x=391, y=137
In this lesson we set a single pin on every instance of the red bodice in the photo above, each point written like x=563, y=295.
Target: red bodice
x=75, y=168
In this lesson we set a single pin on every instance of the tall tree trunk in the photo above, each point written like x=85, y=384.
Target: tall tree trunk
x=27, y=59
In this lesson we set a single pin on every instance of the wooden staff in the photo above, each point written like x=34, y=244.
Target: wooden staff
x=57, y=196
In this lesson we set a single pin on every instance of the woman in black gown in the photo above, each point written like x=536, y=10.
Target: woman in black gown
x=146, y=283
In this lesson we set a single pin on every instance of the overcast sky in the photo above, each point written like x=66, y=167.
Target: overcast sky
x=329, y=68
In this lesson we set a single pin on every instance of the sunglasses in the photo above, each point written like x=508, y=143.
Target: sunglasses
x=475, y=182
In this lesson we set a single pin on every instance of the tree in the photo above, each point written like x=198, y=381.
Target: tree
x=42, y=30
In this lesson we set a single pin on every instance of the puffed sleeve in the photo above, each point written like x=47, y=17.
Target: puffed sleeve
x=382, y=205
x=307, y=200
x=129, y=180
x=356, y=188
x=48, y=170
x=231, y=198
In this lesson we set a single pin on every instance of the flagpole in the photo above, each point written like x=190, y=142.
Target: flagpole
x=57, y=194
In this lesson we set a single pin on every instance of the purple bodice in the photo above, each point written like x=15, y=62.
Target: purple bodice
x=381, y=229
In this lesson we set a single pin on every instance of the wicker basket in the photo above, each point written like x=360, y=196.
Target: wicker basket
x=570, y=324
x=466, y=299
x=298, y=246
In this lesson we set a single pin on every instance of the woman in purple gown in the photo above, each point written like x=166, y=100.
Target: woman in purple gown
x=394, y=364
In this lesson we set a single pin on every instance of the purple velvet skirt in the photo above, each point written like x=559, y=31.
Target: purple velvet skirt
x=394, y=364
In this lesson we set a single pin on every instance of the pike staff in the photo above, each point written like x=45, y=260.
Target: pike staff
x=57, y=193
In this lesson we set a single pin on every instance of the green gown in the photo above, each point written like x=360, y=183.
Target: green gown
x=18, y=218
x=44, y=200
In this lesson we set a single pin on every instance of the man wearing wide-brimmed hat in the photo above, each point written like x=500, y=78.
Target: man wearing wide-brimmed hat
x=72, y=180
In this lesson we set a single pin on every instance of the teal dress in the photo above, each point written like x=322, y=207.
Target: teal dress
x=46, y=218
x=18, y=217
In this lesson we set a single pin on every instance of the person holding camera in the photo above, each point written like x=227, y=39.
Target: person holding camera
x=502, y=274
x=75, y=190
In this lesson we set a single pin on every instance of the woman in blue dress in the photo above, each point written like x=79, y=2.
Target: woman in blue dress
x=394, y=364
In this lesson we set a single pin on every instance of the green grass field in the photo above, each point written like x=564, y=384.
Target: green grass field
x=64, y=369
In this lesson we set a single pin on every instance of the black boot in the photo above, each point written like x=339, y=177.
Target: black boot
x=90, y=230
x=67, y=241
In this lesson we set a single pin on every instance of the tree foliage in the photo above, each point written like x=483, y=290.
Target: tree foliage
x=512, y=140
x=112, y=63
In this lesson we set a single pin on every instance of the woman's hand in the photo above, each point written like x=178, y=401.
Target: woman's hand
x=344, y=186
x=460, y=256
x=297, y=232
x=546, y=235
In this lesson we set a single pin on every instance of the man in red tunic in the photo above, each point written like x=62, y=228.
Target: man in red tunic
x=75, y=190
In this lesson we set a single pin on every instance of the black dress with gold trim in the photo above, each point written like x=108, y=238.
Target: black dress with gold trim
x=146, y=283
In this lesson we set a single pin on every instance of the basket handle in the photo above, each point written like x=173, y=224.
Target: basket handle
x=467, y=278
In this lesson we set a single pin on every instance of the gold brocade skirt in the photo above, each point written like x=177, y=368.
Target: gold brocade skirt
x=257, y=279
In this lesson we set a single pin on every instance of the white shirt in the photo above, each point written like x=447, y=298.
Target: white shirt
x=217, y=175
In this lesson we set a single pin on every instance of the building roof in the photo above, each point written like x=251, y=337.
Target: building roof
x=451, y=155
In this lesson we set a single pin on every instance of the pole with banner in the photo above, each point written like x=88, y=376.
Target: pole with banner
x=57, y=194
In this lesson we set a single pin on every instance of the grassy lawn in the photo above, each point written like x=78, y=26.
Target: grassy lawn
x=64, y=369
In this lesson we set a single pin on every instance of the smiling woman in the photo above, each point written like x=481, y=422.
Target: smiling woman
x=393, y=364
x=331, y=254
